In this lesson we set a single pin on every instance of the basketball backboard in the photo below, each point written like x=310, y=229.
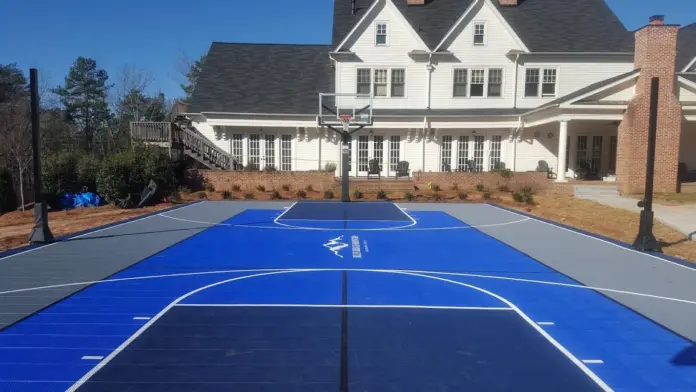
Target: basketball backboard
x=337, y=108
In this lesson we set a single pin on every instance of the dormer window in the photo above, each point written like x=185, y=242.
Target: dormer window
x=479, y=33
x=381, y=34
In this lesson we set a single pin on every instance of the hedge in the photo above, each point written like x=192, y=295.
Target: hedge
x=129, y=172
x=8, y=198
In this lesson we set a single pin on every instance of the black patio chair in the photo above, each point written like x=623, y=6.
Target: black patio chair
x=583, y=171
x=374, y=168
x=402, y=169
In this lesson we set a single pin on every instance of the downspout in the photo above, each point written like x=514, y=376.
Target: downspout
x=318, y=129
x=425, y=131
x=430, y=68
x=514, y=95
x=514, y=143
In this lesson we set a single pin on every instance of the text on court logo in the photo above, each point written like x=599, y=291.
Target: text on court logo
x=336, y=245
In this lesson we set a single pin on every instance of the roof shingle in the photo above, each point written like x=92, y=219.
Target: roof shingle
x=686, y=46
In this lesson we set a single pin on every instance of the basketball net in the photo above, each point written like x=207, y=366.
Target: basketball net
x=345, y=120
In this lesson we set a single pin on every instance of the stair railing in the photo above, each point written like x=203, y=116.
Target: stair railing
x=198, y=144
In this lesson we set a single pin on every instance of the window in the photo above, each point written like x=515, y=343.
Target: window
x=531, y=83
x=270, y=151
x=363, y=152
x=286, y=152
x=581, y=152
x=548, y=88
x=380, y=83
x=478, y=153
x=479, y=34
x=254, y=151
x=495, y=82
x=446, y=154
x=460, y=81
x=394, y=152
x=398, y=83
x=237, y=148
x=613, y=142
x=494, y=154
x=381, y=34
x=596, y=163
x=463, y=153
x=378, y=149
x=364, y=81
x=478, y=80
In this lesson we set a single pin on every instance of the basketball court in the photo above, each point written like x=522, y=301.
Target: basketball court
x=331, y=296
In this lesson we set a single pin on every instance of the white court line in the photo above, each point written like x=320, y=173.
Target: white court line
x=529, y=321
x=142, y=329
x=276, y=221
x=93, y=357
x=92, y=232
x=590, y=361
x=342, y=220
x=342, y=306
x=522, y=280
x=141, y=318
x=598, y=239
x=285, y=212
x=399, y=228
x=546, y=323
x=147, y=325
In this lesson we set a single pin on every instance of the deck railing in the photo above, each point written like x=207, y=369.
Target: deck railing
x=149, y=131
x=198, y=144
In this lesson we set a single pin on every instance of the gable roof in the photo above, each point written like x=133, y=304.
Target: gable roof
x=542, y=25
x=686, y=46
x=262, y=78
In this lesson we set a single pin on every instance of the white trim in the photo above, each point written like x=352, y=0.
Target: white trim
x=456, y=24
x=386, y=35
x=485, y=34
x=686, y=81
x=360, y=22
x=691, y=64
x=599, y=90
x=259, y=123
x=343, y=306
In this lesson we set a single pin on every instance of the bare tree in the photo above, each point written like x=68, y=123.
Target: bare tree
x=131, y=84
x=15, y=136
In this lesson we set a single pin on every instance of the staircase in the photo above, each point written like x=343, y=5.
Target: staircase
x=180, y=138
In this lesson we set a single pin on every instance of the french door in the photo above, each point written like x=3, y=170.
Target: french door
x=471, y=152
x=589, y=152
x=370, y=147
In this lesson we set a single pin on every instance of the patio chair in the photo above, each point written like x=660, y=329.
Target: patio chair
x=402, y=169
x=583, y=171
x=543, y=167
x=446, y=168
x=374, y=168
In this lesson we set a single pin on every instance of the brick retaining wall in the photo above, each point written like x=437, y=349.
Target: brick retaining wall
x=224, y=180
x=490, y=180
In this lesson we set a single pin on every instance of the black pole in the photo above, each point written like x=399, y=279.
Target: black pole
x=345, y=153
x=41, y=232
x=646, y=240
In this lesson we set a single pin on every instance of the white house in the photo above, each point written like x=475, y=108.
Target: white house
x=512, y=83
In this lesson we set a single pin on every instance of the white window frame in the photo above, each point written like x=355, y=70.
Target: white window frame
x=540, y=82
x=473, y=34
x=555, y=83
x=386, y=33
x=466, y=92
x=485, y=82
x=385, y=84
x=502, y=82
x=357, y=78
x=389, y=81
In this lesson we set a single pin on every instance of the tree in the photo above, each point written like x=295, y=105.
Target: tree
x=84, y=98
x=15, y=123
x=193, y=71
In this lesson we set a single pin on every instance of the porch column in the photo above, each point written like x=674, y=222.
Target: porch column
x=562, y=144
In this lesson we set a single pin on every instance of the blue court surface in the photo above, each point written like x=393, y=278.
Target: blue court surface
x=324, y=296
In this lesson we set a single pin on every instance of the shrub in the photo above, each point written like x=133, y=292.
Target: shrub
x=8, y=198
x=525, y=195
x=209, y=187
x=479, y=187
x=129, y=172
x=184, y=189
x=201, y=194
x=269, y=168
x=260, y=188
x=60, y=174
x=454, y=186
x=249, y=196
x=357, y=194
x=463, y=196
x=275, y=195
x=330, y=167
x=437, y=197
x=381, y=194
x=486, y=196
x=236, y=188
x=328, y=194
x=504, y=173
x=435, y=187
x=301, y=194
x=227, y=195
x=87, y=173
x=309, y=188
x=409, y=196
x=504, y=188
x=286, y=187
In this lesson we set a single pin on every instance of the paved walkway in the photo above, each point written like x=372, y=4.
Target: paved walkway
x=682, y=218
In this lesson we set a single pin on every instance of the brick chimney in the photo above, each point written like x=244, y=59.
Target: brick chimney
x=508, y=3
x=416, y=2
x=655, y=56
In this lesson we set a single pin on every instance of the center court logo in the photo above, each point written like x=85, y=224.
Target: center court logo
x=336, y=245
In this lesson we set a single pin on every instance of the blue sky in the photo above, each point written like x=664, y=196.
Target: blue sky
x=156, y=36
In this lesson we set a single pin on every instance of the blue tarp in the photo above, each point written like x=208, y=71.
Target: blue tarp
x=74, y=200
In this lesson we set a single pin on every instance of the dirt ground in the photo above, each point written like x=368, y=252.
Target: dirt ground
x=15, y=227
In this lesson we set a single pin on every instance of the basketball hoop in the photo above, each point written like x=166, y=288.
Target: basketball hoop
x=345, y=120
